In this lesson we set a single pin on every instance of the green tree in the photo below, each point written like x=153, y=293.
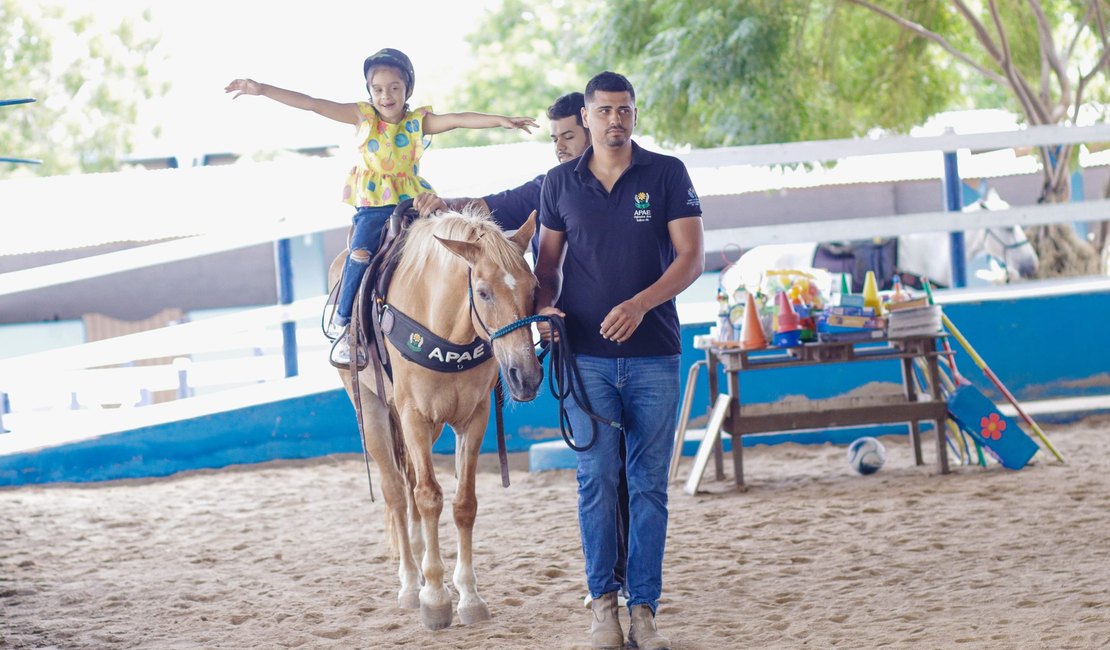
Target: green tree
x=528, y=53
x=1049, y=57
x=88, y=78
x=734, y=72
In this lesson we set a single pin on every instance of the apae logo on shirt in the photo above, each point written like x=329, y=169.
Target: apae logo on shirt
x=643, y=207
x=693, y=200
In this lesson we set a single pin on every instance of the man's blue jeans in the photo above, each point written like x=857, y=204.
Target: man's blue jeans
x=642, y=394
x=367, y=235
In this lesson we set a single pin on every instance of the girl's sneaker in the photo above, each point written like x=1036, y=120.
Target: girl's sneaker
x=334, y=328
x=341, y=352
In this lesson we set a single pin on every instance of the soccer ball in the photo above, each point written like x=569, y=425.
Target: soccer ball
x=866, y=455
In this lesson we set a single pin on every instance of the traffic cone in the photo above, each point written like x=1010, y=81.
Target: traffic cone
x=871, y=293
x=788, y=327
x=752, y=336
x=845, y=289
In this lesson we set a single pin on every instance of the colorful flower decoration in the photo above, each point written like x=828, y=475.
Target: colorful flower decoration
x=992, y=426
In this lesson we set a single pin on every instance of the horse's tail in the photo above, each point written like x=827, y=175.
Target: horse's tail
x=391, y=532
x=408, y=474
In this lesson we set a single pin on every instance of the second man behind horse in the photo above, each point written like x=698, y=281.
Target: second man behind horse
x=511, y=208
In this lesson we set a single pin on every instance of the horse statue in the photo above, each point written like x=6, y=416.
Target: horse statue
x=922, y=256
x=457, y=275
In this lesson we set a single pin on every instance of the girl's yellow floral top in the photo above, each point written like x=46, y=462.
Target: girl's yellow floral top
x=387, y=171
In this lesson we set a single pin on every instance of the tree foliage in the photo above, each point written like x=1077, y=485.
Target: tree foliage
x=528, y=55
x=720, y=72
x=734, y=72
x=1049, y=57
x=88, y=79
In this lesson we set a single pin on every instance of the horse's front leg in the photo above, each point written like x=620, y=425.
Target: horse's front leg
x=435, y=599
x=471, y=606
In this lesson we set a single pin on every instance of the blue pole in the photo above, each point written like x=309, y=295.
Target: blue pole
x=283, y=262
x=953, y=202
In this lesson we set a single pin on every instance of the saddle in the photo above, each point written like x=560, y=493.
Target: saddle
x=858, y=257
x=375, y=282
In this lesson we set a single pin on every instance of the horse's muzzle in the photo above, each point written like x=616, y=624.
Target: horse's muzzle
x=523, y=380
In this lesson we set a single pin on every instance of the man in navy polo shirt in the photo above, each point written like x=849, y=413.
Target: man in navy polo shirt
x=621, y=236
x=511, y=208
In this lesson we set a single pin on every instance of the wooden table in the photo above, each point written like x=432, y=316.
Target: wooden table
x=739, y=419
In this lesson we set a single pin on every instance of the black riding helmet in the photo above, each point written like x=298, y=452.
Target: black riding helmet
x=395, y=59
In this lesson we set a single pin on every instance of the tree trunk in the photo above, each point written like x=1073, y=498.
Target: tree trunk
x=1062, y=252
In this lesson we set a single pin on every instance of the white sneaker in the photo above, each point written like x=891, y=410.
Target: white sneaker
x=334, y=328
x=341, y=352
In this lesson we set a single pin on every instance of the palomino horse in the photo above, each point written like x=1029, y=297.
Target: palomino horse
x=443, y=260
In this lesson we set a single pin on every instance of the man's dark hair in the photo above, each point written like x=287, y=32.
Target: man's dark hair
x=609, y=82
x=566, y=106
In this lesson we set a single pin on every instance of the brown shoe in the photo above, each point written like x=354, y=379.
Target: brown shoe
x=642, y=633
x=605, y=632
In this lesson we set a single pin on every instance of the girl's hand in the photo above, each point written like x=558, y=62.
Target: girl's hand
x=522, y=123
x=244, y=87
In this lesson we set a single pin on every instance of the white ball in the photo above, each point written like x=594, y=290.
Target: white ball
x=866, y=455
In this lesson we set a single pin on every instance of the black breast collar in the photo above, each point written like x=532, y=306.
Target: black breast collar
x=417, y=344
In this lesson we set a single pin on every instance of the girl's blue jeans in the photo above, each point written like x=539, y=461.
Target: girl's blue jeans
x=367, y=235
x=642, y=394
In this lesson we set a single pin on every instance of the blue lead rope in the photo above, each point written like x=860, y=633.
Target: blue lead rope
x=515, y=325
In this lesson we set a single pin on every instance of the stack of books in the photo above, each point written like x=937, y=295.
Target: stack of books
x=913, y=318
x=850, y=321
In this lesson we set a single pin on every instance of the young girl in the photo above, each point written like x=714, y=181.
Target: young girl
x=390, y=141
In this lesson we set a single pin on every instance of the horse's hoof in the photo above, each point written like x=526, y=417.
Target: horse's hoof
x=473, y=612
x=435, y=617
x=409, y=599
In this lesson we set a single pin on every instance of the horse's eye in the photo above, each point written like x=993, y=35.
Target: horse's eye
x=484, y=295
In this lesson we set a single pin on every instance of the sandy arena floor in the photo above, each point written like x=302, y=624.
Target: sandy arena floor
x=287, y=555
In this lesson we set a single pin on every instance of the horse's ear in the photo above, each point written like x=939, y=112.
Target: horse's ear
x=523, y=236
x=463, y=249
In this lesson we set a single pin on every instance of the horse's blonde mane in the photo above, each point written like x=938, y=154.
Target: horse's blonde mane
x=421, y=251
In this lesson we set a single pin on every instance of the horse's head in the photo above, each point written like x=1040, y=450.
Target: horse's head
x=1013, y=249
x=502, y=288
x=1007, y=244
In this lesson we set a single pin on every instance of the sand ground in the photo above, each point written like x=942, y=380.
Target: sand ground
x=292, y=554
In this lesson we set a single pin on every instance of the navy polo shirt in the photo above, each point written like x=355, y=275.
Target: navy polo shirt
x=617, y=244
x=511, y=208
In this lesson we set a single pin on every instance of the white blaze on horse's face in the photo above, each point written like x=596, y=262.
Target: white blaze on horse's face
x=500, y=301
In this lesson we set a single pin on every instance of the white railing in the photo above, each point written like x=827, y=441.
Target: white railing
x=251, y=329
x=75, y=377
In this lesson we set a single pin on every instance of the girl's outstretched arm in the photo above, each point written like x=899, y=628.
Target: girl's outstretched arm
x=447, y=121
x=347, y=113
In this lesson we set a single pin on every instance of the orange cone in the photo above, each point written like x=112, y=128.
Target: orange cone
x=788, y=326
x=788, y=320
x=752, y=336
